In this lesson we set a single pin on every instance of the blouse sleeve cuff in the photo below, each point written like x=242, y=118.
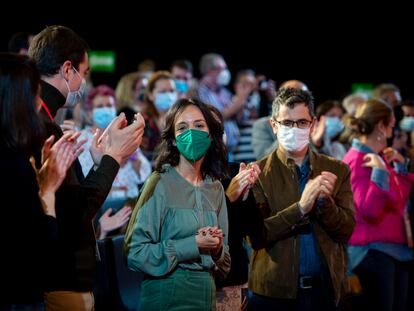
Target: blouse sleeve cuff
x=186, y=249
x=381, y=178
x=401, y=168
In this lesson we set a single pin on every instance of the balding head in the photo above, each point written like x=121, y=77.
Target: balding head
x=294, y=84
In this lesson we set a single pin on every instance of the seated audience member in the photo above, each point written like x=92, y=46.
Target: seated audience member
x=136, y=168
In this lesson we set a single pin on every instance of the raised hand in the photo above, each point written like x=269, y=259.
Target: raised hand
x=271, y=89
x=255, y=172
x=238, y=183
x=392, y=154
x=56, y=160
x=310, y=194
x=70, y=137
x=253, y=177
x=243, y=181
x=120, y=141
x=327, y=184
x=97, y=149
x=374, y=160
x=109, y=223
x=68, y=125
x=317, y=135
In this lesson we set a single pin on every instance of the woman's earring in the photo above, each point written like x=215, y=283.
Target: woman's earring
x=379, y=136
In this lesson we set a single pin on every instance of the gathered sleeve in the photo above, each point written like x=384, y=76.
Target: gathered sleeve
x=144, y=249
x=223, y=260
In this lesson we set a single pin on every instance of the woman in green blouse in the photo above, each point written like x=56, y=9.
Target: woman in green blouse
x=177, y=235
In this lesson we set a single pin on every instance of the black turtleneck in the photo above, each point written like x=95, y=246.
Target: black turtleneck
x=54, y=100
x=77, y=201
x=52, y=97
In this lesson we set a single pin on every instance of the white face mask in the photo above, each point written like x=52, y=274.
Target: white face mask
x=223, y=77
x=293, y=139
x=75, y=97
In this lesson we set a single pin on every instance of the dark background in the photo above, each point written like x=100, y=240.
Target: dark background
x=328, y=50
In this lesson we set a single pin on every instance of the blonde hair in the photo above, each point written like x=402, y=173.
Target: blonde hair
x=368, y=115
x=125, y=90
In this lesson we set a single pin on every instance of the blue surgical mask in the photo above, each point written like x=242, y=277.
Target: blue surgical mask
x=334, y=126
x=181, y=86
x=163, y=101
x=103, y=116
x=75, y=97
x=407, y=124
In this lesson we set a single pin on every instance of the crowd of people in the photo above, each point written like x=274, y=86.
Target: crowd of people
x=228, y=198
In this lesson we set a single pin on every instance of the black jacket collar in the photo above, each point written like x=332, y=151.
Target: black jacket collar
x=52, y=97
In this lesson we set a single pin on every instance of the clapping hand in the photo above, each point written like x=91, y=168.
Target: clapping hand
x=56, y=160
x=118, y=140
x=243, y=181
x=210, y=239
x=327, y=182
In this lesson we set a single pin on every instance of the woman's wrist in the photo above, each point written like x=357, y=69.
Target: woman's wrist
x=47, y=199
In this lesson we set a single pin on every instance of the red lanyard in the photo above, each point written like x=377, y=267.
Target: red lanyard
x=46, y=109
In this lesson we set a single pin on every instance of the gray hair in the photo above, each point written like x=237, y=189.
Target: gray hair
x=381, y=90
x=350, y=102
x=207, y=62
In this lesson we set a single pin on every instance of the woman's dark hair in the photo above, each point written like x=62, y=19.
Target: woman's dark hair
x=20, y=126
x=53, y=46
x=368, y=115
x=323, y=108
x=19, y=40
x=215, y=160
x=218, y=114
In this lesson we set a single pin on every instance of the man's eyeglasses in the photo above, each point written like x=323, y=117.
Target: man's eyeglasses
x=302, y=123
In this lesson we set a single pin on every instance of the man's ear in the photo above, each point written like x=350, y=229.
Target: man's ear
x=66, y=67
x=273, y=124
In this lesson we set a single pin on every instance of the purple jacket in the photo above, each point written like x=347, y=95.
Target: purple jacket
x=379, y=211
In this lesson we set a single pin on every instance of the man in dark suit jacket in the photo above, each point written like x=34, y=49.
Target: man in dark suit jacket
x=61, y=57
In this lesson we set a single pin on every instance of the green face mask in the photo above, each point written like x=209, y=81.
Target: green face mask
x=193, y=144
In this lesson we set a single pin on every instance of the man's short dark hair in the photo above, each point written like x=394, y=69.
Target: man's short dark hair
x=244, y=72
x=53, y=46
x=183, y=64
x=291, y=97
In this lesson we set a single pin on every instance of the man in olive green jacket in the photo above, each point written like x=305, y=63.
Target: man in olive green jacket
x=306, y=201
